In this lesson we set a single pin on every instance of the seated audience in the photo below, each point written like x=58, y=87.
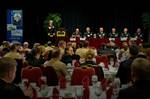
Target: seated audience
x=67, y=57
x=35, y=58
x=4, y=48
x=82, y=51
x=140, y=70
x=13, y=52
x=89, y=58
x=60, y=67
x=124, y=71
x=62, y=46
x=7, y=74
x=26, y=47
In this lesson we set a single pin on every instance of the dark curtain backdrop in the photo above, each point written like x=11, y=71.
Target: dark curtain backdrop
x=75, y=14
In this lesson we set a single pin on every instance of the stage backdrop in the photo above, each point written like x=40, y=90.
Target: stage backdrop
x=15, y=26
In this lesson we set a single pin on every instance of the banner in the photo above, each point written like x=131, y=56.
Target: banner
x=15, y=26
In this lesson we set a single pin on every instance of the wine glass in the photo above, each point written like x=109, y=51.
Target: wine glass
x=25, y=83
x=44, y=79
x=112, y=62
x=79, y=92
x=44, y=90
x=98, y=89
x=68, y=78
x=98, y=92
x=94, y=80
x=33, y=85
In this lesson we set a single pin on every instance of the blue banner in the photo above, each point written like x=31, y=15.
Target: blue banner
x=15, y=26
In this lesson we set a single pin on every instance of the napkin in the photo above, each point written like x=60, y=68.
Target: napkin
x=62, y=82
x=85, y=82
x=55, y=93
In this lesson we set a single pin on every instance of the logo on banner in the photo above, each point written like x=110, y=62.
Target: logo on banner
x=17, y=18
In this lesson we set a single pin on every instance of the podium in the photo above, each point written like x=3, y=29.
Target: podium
x=61, y=35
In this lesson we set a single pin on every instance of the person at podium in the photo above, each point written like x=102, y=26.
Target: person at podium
x=51, y=31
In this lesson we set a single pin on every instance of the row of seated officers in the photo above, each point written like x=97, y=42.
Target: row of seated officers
x=103, y=34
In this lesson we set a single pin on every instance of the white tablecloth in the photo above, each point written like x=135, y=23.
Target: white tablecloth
x=71, y=91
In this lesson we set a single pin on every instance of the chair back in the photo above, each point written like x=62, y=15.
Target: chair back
x=33, y=74
x=50, y=73
x=79, y=73
x=103, y=59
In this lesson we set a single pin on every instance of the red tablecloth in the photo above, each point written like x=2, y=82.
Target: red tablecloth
x=98, y=42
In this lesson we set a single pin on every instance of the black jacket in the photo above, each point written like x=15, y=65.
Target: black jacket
x=124, y=71
x=10, y=91
x=140, y=90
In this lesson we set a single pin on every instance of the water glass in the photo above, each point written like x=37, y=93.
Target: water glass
x=94, y=79
x=79, y=92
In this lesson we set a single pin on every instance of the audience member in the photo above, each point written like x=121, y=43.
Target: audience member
x=140, y=70
x=60, y=67
x=89, y=58
x=13, y=52
x=124, y=71
x=62, y=46
x=35, y=58
x=7, y=74
x=67, y=57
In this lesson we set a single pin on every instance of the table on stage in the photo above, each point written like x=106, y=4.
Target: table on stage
x=98, y=42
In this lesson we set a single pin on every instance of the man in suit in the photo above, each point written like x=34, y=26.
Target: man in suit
x=125, y=33
x=140, y=70
x=101, y=33
x=77, y=33
x=124, y=71
x=138, y=34
x=7, y=74
x=88, y=33
x=113, y=33
x=59, y=67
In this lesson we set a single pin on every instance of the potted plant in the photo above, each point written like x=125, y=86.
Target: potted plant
x=56, y=18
